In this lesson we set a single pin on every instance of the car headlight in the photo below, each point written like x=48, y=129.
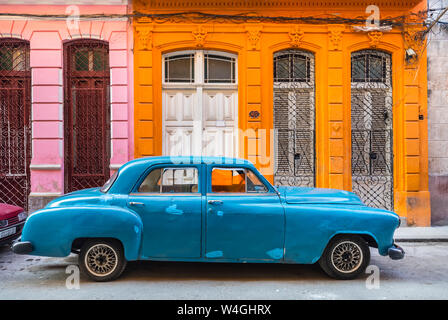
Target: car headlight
x=22, y=216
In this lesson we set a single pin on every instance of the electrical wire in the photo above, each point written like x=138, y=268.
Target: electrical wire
x=235, y=18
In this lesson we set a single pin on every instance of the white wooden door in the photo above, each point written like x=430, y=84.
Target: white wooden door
x=219, y=113
x=181, y=119
x=199, y=116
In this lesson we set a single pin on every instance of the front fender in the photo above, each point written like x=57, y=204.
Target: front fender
x=309, y=228
x=53, y=230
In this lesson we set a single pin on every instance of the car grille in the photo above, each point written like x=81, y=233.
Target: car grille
x=13, y=236
x=11, y=221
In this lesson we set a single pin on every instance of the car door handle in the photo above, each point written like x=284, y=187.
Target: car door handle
x=216, y=202
x=136, y=203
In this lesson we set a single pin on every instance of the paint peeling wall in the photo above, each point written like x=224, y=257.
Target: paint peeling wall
x=438, y=118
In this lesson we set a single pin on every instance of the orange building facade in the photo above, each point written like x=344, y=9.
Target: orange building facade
x=323, y=103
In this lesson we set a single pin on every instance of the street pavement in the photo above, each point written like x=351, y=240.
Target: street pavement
x=422, y=274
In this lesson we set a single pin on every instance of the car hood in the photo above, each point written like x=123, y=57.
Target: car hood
x=318, y=195
x=8, y=211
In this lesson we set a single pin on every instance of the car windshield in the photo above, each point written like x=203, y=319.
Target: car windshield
x=109, y=183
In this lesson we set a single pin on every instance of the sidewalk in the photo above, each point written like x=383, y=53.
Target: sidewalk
x=422, y=234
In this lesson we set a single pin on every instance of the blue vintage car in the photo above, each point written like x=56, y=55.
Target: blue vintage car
x=208, y=209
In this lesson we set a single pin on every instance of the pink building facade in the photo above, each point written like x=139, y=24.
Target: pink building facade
x=67, y=84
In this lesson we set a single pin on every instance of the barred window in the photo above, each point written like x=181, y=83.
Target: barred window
x=368, y=67
x=291, y=67
x=91, y=59
x=13, y=57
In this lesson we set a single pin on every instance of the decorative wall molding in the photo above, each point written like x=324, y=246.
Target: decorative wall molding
x=335, y=37
x=375, y=38
x=199, y=36
x=412, y=36
x=414, y=40
x=144, y=34
x=45, y=194
x=296, y=36
x=272, y=4
x=144, y=20
x=253, y=36
x=71, y=2
x=45, y=167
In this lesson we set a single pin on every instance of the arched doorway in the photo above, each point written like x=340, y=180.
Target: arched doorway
x=371, y=127
x=15, y=121
x=294, y=118
x=86, y=114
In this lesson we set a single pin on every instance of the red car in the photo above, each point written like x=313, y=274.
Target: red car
x=12, y=219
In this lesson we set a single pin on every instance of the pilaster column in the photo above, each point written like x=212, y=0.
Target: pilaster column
x=250, y=138
x=143, y=100
x=337, y=152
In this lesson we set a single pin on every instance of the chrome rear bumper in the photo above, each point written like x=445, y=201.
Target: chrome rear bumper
x=22, y=247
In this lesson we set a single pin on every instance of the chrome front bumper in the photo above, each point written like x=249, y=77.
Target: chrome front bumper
x=396, y=252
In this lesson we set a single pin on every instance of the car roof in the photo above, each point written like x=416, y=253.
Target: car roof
x=188, y=160
x=132, y=170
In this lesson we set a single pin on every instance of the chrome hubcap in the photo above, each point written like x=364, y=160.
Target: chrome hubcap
x=101, y=260
x=346, y=257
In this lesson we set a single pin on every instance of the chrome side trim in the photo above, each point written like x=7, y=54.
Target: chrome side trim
x=152, y=194
x=239, y=194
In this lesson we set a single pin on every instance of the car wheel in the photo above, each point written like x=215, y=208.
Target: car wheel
x=102, y=260
x=345, y=257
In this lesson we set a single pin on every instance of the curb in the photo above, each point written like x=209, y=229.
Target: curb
x=421, y=240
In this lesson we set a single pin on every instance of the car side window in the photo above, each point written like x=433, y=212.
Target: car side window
x=151, y=182
x=228, y=180
x=236, y=180
x=254, y=184
x=171, y=180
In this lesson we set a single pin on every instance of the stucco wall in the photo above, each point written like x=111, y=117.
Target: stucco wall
x=438, y=117
x=46, y=60
x=255, y=44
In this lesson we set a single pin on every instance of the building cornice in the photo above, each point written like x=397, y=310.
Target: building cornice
x=277, y=4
